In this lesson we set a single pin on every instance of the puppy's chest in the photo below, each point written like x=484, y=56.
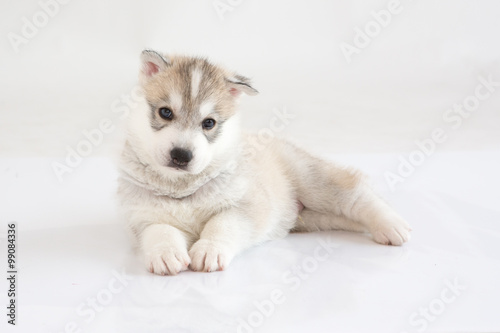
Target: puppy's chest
x=205, y=202
x=190, y=212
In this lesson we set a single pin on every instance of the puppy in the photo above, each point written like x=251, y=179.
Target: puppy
x=194, y=197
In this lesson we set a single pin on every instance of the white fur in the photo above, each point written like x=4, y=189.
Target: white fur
x=232, y=198
x=206, y=108
x=196, y=76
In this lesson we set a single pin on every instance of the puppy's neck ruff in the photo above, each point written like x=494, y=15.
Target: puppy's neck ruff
x=151, y=179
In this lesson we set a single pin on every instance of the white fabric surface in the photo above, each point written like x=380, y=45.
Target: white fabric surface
x=79, y=66
x=71, y=245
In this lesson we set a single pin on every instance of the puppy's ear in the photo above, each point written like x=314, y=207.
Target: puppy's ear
x=238, y=84
x=152, y=63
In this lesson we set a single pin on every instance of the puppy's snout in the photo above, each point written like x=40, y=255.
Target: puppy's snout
x=181, y=156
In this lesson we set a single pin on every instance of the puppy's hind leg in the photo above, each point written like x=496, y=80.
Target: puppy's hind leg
x=310, y=220
x=342, y=198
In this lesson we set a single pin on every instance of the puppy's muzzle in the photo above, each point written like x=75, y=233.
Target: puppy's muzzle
x=181, y=157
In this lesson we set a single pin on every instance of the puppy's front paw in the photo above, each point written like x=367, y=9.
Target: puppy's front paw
x=395, y=232
x=165, y=260
x=209, y=256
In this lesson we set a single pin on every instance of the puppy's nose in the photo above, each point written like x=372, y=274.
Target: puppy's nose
x=181, y=156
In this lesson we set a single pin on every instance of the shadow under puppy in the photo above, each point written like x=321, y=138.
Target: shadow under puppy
x=194, y=198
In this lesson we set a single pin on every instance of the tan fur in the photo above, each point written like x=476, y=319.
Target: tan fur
x=176, y=78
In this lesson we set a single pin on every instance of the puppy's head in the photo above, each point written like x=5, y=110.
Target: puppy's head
x=190, y=105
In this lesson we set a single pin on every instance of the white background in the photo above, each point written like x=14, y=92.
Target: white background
x=394, y=91
x=368, y=112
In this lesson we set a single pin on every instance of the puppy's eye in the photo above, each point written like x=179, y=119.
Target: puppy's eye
x=165, y=113
x=208, y=124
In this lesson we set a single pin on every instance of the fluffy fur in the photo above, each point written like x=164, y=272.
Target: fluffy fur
x=202, y=213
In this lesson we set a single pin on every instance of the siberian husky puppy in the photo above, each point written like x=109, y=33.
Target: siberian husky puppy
x=195, y=198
